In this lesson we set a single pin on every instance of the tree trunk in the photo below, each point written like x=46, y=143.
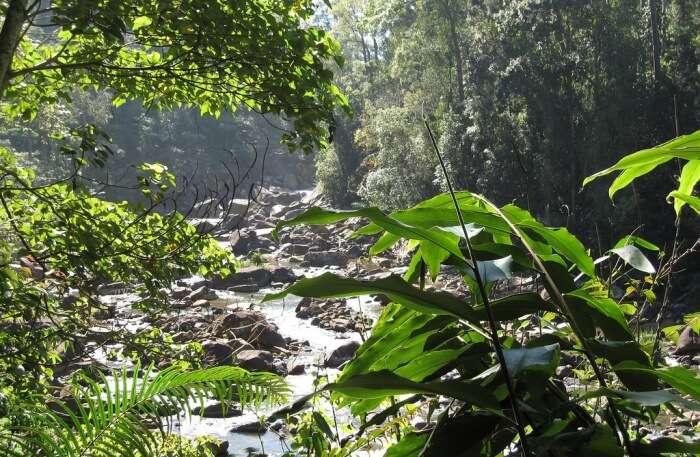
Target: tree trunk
x=15, y=17
x=655, y=43
x=376, y=48
x=457, y=51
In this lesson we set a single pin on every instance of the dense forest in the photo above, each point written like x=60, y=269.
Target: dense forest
x=401, y=228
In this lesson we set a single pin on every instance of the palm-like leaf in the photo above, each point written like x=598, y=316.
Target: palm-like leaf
x=114, y=418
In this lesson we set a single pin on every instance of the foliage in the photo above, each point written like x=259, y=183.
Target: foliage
x=528, y=97
x=495, y=352
x=113, y=416
x=71, y=243
x=169, y=54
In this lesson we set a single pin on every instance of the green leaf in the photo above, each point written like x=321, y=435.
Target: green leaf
x=539, y=358
x=140, y=22
x=516, y=306
x=617, y=352
x=647, y=398
x=635, y=258
x=329, y=285
x=320, y=216
x=665, y=446
x=690, y=175
x=641, y=242
x=685, y=147
x=495, y=270
x=382, y=384
x=606, y=314
x=410, y=446
x=681, y=379
x=694, y=202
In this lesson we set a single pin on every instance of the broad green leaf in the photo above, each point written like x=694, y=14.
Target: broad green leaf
x=690, y=175
x=409, y=446
x=647, y=398
x=433, y=256
x=693, y=202
x=560, y=240
x=516, y=306
x=630, y=174
x=382, y=384
x=606, y=314
x=617, y=352
x=685, y=147
x=329, y=285
x=495, y=270
x=682, y=379
x=320, y=216
x=665, y=446
x=539, y=358
x=634, y=258
x=641, y=242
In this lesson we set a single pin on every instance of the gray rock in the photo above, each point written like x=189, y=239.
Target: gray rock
x=342, y=354
x=297, y=369
x=217, y=352
x=284, y=275
x=255, y=360
x=245, y=288
x=240, y=323
x=326, y=258
x=266, y=336
x=251, y=275
x=217, y=411
x=198, y=294
x=251, y=427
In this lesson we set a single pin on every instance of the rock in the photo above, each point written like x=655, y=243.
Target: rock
x=200, y=303
x=342, y=354
x=217, y=352
x=297, y=369
x=198, y=294
x=255, y=360
x=278, y=211
x=251, y=427
x=244, y=288
x=178, y=293
x=564, y=371
x=283, y=275
x=251, y=275
x=217, y=410
x=688, y=342
x=327, y=258
x=309, y=311
x=218, y=447
x=243, y=242
x=240, y=323
x=303, y=303
x=267, y=337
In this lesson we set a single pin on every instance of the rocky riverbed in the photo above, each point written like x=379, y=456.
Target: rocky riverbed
x=300, y=339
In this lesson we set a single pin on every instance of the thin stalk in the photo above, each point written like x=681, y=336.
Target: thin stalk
x=487, y=304
x=574, y=325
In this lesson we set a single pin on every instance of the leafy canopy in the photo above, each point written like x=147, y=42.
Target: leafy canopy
x=214, y=55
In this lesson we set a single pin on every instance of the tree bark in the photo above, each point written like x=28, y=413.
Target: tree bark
x=10, y=34
x=655, y=43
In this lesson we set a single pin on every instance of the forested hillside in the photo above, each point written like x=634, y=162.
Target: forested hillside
x=339, y=228
x=527, y=98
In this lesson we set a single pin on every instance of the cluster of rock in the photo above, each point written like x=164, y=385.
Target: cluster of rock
x=333, y=315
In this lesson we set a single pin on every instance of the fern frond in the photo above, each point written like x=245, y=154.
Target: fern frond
x=115, y=417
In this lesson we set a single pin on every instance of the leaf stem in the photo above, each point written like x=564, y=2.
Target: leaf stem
x=487, y=305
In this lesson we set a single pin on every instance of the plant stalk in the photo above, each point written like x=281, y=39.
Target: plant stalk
x=487, y=305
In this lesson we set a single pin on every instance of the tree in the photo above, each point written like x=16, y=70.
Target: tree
x=215, y=55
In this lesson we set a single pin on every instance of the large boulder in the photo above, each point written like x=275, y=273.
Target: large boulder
x=267, y=336
x=326, y=258
x=342, y=354
x=255, y=360
x=284, y=275
x=240, y=323
x=217, y=352
x=251, y=275
x=688, y=342
x=217, y=410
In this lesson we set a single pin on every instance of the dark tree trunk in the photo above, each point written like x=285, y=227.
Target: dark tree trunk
x=10, y=34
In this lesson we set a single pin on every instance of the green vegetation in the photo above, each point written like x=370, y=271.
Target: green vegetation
x=501, y=349
x=527, y=99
